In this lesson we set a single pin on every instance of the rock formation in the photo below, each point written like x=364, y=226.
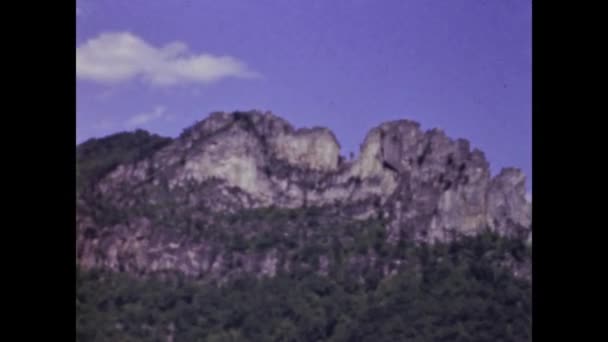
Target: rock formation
x=426, y=186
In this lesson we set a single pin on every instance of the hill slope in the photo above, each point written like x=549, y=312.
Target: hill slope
x=162, y=211
x=414, y=240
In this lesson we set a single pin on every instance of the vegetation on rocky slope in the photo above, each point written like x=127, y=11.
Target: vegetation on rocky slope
x=303, y=274
x=456, y=293
x=96, y=157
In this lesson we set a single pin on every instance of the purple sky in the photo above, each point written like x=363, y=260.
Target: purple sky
x=461, y=65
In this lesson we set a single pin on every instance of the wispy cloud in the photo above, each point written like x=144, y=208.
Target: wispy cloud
x=159, y=112
x=103, y=125
x=529, y=197
x=105, y=94
x=119, y=57
x=79, y=7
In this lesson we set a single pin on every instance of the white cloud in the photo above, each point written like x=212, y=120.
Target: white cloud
x=119, y=57
x=159, y=112
x=529, y=197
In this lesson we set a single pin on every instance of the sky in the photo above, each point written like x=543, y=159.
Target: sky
x=463, y=66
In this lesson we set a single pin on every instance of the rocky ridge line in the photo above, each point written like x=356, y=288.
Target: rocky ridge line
x=426, y=186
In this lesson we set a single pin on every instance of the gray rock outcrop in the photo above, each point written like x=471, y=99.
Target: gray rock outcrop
x=423, y=180
x=427, y=186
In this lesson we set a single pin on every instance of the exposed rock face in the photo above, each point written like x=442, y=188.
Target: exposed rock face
x=427, y=185
x=507, y=200
x=315, y=149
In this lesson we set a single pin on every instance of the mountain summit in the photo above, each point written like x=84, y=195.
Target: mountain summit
x=157, y=208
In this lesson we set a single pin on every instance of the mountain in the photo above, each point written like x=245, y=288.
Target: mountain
x=242, y=199
x=424, y=186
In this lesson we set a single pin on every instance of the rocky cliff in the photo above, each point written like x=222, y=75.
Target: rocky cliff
x=422, y=185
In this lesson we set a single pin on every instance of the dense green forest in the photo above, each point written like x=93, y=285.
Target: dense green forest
x=456, y=293
x=97, y=157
